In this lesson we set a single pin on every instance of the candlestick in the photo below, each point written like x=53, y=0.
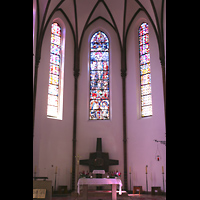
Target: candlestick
x=146, y=184
x=163, y=179
x=130, y=177
x=35, y=168
x=146, y=180
x=55, y=183
x=56, y=170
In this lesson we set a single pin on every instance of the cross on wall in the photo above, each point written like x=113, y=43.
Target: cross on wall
x=99, y=160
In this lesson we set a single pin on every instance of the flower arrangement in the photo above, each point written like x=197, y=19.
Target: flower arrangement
x=84, y=174
x=114, y=174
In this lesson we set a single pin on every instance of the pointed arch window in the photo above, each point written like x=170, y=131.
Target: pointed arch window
x=99, y=77
x=145, y=71
x=54, y=72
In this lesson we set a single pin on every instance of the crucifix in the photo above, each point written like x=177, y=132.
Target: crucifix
x=99, y=160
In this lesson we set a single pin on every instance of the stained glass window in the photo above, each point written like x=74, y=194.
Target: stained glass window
x=54, y=70
x=145, y=71
x=99, y=77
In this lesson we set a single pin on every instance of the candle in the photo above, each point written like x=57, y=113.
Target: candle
x=35, y=168
x=146, y=168
x=129, y=170
x=56, y=170
x=162, y=170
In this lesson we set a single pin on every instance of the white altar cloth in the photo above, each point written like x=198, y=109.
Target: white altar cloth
x=100, y=181
x=98, y=172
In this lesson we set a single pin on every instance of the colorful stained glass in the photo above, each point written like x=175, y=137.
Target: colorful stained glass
x=94, y=65
x=54, y=70
x=146, y=100
x=99, y=77
x=55, y=49
x=99, y=94
x=55, y=39
x=145, y=79
x=145, y=71
x=99, y=56
x=146, y=89
x=55, y=29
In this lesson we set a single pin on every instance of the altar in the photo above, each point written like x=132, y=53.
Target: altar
x=100, y=181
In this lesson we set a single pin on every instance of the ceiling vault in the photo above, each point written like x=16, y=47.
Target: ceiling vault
x=158, y=27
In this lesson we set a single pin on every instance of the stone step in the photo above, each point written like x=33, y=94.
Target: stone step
x=98, y=193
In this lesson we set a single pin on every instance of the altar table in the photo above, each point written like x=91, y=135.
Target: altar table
x=102, y=181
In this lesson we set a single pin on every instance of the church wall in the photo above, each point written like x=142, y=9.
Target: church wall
x=141, y=132
x=52, y=145
x=53, y=138
x=111, y=131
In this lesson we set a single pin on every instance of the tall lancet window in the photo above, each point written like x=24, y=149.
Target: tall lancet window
x=99, y=77
x=145, y=71
x=54, y=71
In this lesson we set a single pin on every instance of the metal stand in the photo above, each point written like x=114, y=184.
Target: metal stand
x=163, y=182
x=55, y=182
x=146, y=183
x=130, y=181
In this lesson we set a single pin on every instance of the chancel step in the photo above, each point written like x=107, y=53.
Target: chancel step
x=99, y=193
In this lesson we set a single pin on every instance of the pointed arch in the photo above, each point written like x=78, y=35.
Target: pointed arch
x=87, y=24
x=145, y=70
x=99, y=77
x=54, y=87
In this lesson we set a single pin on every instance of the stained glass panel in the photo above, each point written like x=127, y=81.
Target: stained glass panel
x=145, y=70
x=99, y=94
x=54, y=70
x=55, y=49
x=146, y=89
x=146, y=111
x=53, y=89
x=99, y=77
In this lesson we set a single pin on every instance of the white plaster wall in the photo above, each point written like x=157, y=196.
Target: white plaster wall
x=52, y=143
x=142, y=131
x=53, y=138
